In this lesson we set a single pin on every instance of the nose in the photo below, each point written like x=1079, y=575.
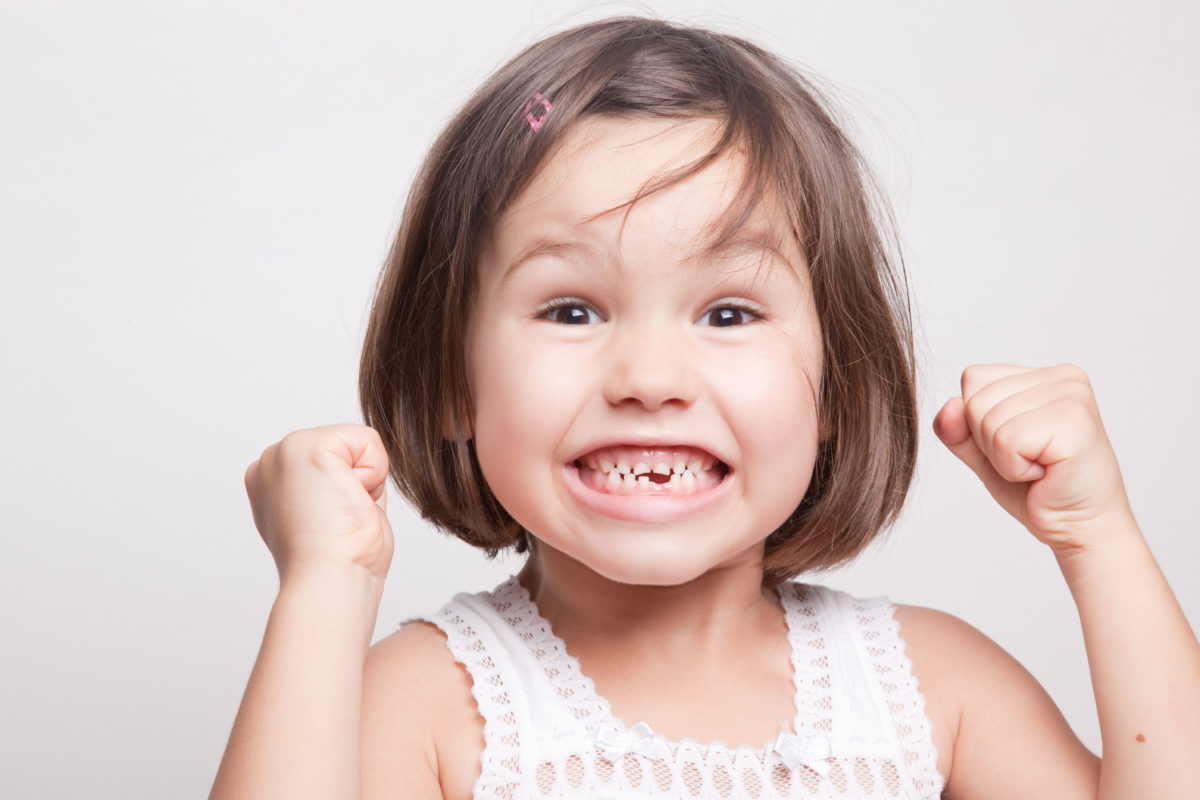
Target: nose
x=650, y=367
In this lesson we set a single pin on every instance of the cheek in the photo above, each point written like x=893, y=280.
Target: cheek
x=782, y=381
x=523, y=402
x=771, y=403
x=523, y=408
x=499, y=428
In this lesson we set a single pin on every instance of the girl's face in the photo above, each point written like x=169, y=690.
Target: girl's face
x=645, y=404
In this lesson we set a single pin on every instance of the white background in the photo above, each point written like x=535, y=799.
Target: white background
x=194, y=202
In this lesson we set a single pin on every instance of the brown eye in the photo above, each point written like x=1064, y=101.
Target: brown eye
x=571, y=313
x=727, y=317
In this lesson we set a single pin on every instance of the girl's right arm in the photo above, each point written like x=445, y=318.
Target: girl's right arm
x=1035, y=439
x=319, y=502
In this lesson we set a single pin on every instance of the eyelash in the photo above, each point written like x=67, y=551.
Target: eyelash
x=547, y=311
x=751, y=310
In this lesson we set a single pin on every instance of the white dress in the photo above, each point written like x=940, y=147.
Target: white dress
x=860, y=729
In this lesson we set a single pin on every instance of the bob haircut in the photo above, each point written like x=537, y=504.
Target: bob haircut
x=414, y=383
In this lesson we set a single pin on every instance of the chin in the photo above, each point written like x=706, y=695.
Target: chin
x=650, y=576
x=643, y=569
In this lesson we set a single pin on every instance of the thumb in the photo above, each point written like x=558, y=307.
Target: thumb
x=951, y=427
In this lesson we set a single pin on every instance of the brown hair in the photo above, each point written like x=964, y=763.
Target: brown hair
x=414, y=383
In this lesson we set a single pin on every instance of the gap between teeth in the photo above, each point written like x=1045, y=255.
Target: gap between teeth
x=628, y=482
x=640, y=469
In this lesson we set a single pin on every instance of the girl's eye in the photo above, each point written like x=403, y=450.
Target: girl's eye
x=727, y=316
x=571, y=312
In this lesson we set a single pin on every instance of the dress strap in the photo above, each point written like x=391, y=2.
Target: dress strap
x=528, y=690
x=471, y=637
x=878, y=709
x=879, y=640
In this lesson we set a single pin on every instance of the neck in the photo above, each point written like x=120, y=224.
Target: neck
x=697, y=614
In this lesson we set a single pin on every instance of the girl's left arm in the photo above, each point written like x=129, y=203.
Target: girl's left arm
x=1035, y=439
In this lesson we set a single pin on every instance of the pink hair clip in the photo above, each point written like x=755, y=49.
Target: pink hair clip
x=535, y=120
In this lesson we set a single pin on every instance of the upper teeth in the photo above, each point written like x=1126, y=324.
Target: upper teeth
x=639, y=469
x=630, y=465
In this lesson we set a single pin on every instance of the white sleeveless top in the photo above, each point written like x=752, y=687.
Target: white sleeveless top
x=860, y=729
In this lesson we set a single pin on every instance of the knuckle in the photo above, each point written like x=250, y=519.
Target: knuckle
x=1080, y=414
x=1004, y=438
x=1073, y=374
x=251, y=475
x=974, y=411
x=966, y=379
x=1079, y=393
x=292, y=445
x=988, y=426
x=372, y=435
x=1076, y=400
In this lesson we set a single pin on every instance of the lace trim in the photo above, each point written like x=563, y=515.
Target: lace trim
x=500, y=774
x=595, y=713
x=577, y=690
x=893, y=669
x=713, y=770
x=813, y=698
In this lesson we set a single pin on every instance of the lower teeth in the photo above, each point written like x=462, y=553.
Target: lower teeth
x=628, y=483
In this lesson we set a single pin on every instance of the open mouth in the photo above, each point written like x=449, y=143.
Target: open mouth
x=630, y=470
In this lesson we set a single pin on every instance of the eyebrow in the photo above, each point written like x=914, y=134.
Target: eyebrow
x=754, y=242
x=545, y=246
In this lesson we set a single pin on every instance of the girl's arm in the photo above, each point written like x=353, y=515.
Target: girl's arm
x=1145, y=667
x=297, y=732
x=1035, y=439
x=319, y=499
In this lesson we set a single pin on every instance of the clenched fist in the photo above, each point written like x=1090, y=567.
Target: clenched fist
x=319, y=499
x=1035, y=439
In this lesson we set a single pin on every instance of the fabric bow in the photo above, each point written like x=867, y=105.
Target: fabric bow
x=639, y=740
x=804, y=751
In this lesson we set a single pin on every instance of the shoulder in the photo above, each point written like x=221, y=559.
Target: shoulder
x=944, y=650
x=421, y=732
x=411, y=652
x=940, y=647
x=988, y=713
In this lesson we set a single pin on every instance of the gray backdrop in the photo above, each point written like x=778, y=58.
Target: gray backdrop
x=195, y=199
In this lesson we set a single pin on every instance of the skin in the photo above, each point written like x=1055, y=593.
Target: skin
x=645, y=365
x=661, y=610
x=648, y=366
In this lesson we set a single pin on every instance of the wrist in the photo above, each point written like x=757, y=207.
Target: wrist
x=1105, y=552
x=319, y=577
x=327, y=595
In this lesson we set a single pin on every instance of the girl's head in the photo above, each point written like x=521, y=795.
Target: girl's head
x=639, y=126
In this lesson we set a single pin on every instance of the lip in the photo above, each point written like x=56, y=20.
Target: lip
x=646, y=508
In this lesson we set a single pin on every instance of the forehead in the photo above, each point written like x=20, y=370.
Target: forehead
x=600, y=182
x=614, y=157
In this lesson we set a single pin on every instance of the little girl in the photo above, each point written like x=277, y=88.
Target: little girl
x=641, y=322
